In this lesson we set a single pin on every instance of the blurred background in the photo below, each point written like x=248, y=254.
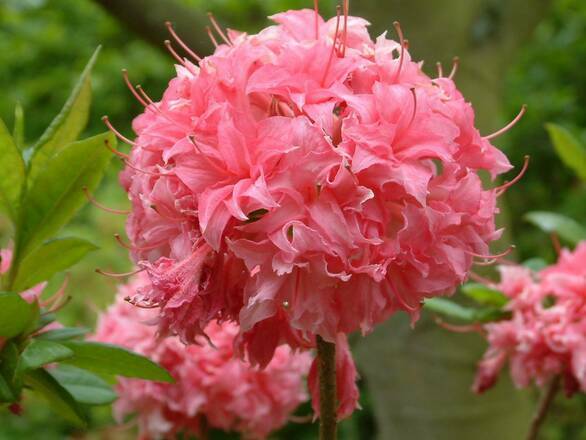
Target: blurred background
x=512, y=52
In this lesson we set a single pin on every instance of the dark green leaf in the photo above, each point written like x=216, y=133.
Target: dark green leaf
x=484, y=295
x=567, y=228
x=109, y=359
x=6, y=394
x=9, y=359
x=39, y=353
x=84, y=386
x=60, y=399
x=52, y=257
x=12, y=174
x=68, y=124
x=18, y=130
x=63, y=334
x=569, y=149
x=57, y=193
x=15, y=314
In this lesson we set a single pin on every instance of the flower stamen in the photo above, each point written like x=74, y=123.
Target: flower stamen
x=455, y=65
x=501, y=189
x=509, y=125
x=218, y=29
x=323, y=80
x=399, y=31
x=120, y=154
x=119, y=275
x=97, y=204
x=181, y=42
x=116, y=132
x=131, y=87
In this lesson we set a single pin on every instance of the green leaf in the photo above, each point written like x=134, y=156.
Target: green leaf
x=9, y=360
x=15, y=314
x=68, y=124
x=6, y=394
x=12, y=174
x=109, y=359
x=484, y=295
x=52, y=257
x=39, y=353
x=569, y=149
x=84, y=386
x=57, y=193
x=454, y=310
x=450, y=309
x=63, y=334
x=18, y=130
x=567, y=228
x=535, y=264
x=60, y=399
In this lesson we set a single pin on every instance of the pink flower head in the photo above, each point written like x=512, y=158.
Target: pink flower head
x=212, y=386
x=303, y=181
x=545, y=335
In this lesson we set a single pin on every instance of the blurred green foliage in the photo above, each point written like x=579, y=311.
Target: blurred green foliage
x=45, y=43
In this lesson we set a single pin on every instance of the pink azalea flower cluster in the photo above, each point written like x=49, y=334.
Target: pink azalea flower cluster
x=213, y=389
x=305, y=181
x=545, y=336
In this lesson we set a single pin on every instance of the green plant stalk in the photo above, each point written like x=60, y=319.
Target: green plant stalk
x=326, y=352
x=542, y=409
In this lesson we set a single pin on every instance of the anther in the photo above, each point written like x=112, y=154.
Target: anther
x=181, y=42
x=172, y=51
x=116, y=132
x=440, y=69
x=509, y=125
x=455, y=65
x=218, y=28
x=338, y=11
x=120, y=154
x=97, y=204
x=131, y=87
x=501, y=189
x=119, y=275
x=399, y=31
x=211, y=35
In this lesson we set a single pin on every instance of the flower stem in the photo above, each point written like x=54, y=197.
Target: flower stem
x=544, y=405
x=326, y=352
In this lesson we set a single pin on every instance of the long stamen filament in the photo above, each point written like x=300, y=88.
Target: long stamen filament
x=131, y=87
x=181, y=42
x=116, y=132
x=509, y=125
x=323, y=80
x=219, y=29
x=97, y=204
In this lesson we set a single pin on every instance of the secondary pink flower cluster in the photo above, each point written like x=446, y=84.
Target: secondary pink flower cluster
x=305, y=181
x=546, y=335
x=211, y=383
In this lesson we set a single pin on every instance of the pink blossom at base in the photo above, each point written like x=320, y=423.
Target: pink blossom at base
x=211, y=382
x=302, y=197
x=545, y=336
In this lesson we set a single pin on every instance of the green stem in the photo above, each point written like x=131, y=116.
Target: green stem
x=326, y=352
x=543, y=407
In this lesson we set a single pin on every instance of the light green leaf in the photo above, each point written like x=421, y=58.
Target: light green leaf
x=18, y=130
x=39, y=353
x=454, y=310
x=60, y=400
x=84, y=386
x=567, y=228
x=109, y=359
x=68, y=124
x=52, y=257
x=569, y=149
x=12, y=174
x=57, y=193
x=63, y=334
x=484, y=295
x=15, y=314
x=535, y=264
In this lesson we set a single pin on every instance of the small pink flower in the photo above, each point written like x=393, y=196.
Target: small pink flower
x=545, y=335
x=211, y=382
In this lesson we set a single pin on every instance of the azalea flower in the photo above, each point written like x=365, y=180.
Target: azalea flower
x=545, y=336
x=212, y=389
x=305, y=181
